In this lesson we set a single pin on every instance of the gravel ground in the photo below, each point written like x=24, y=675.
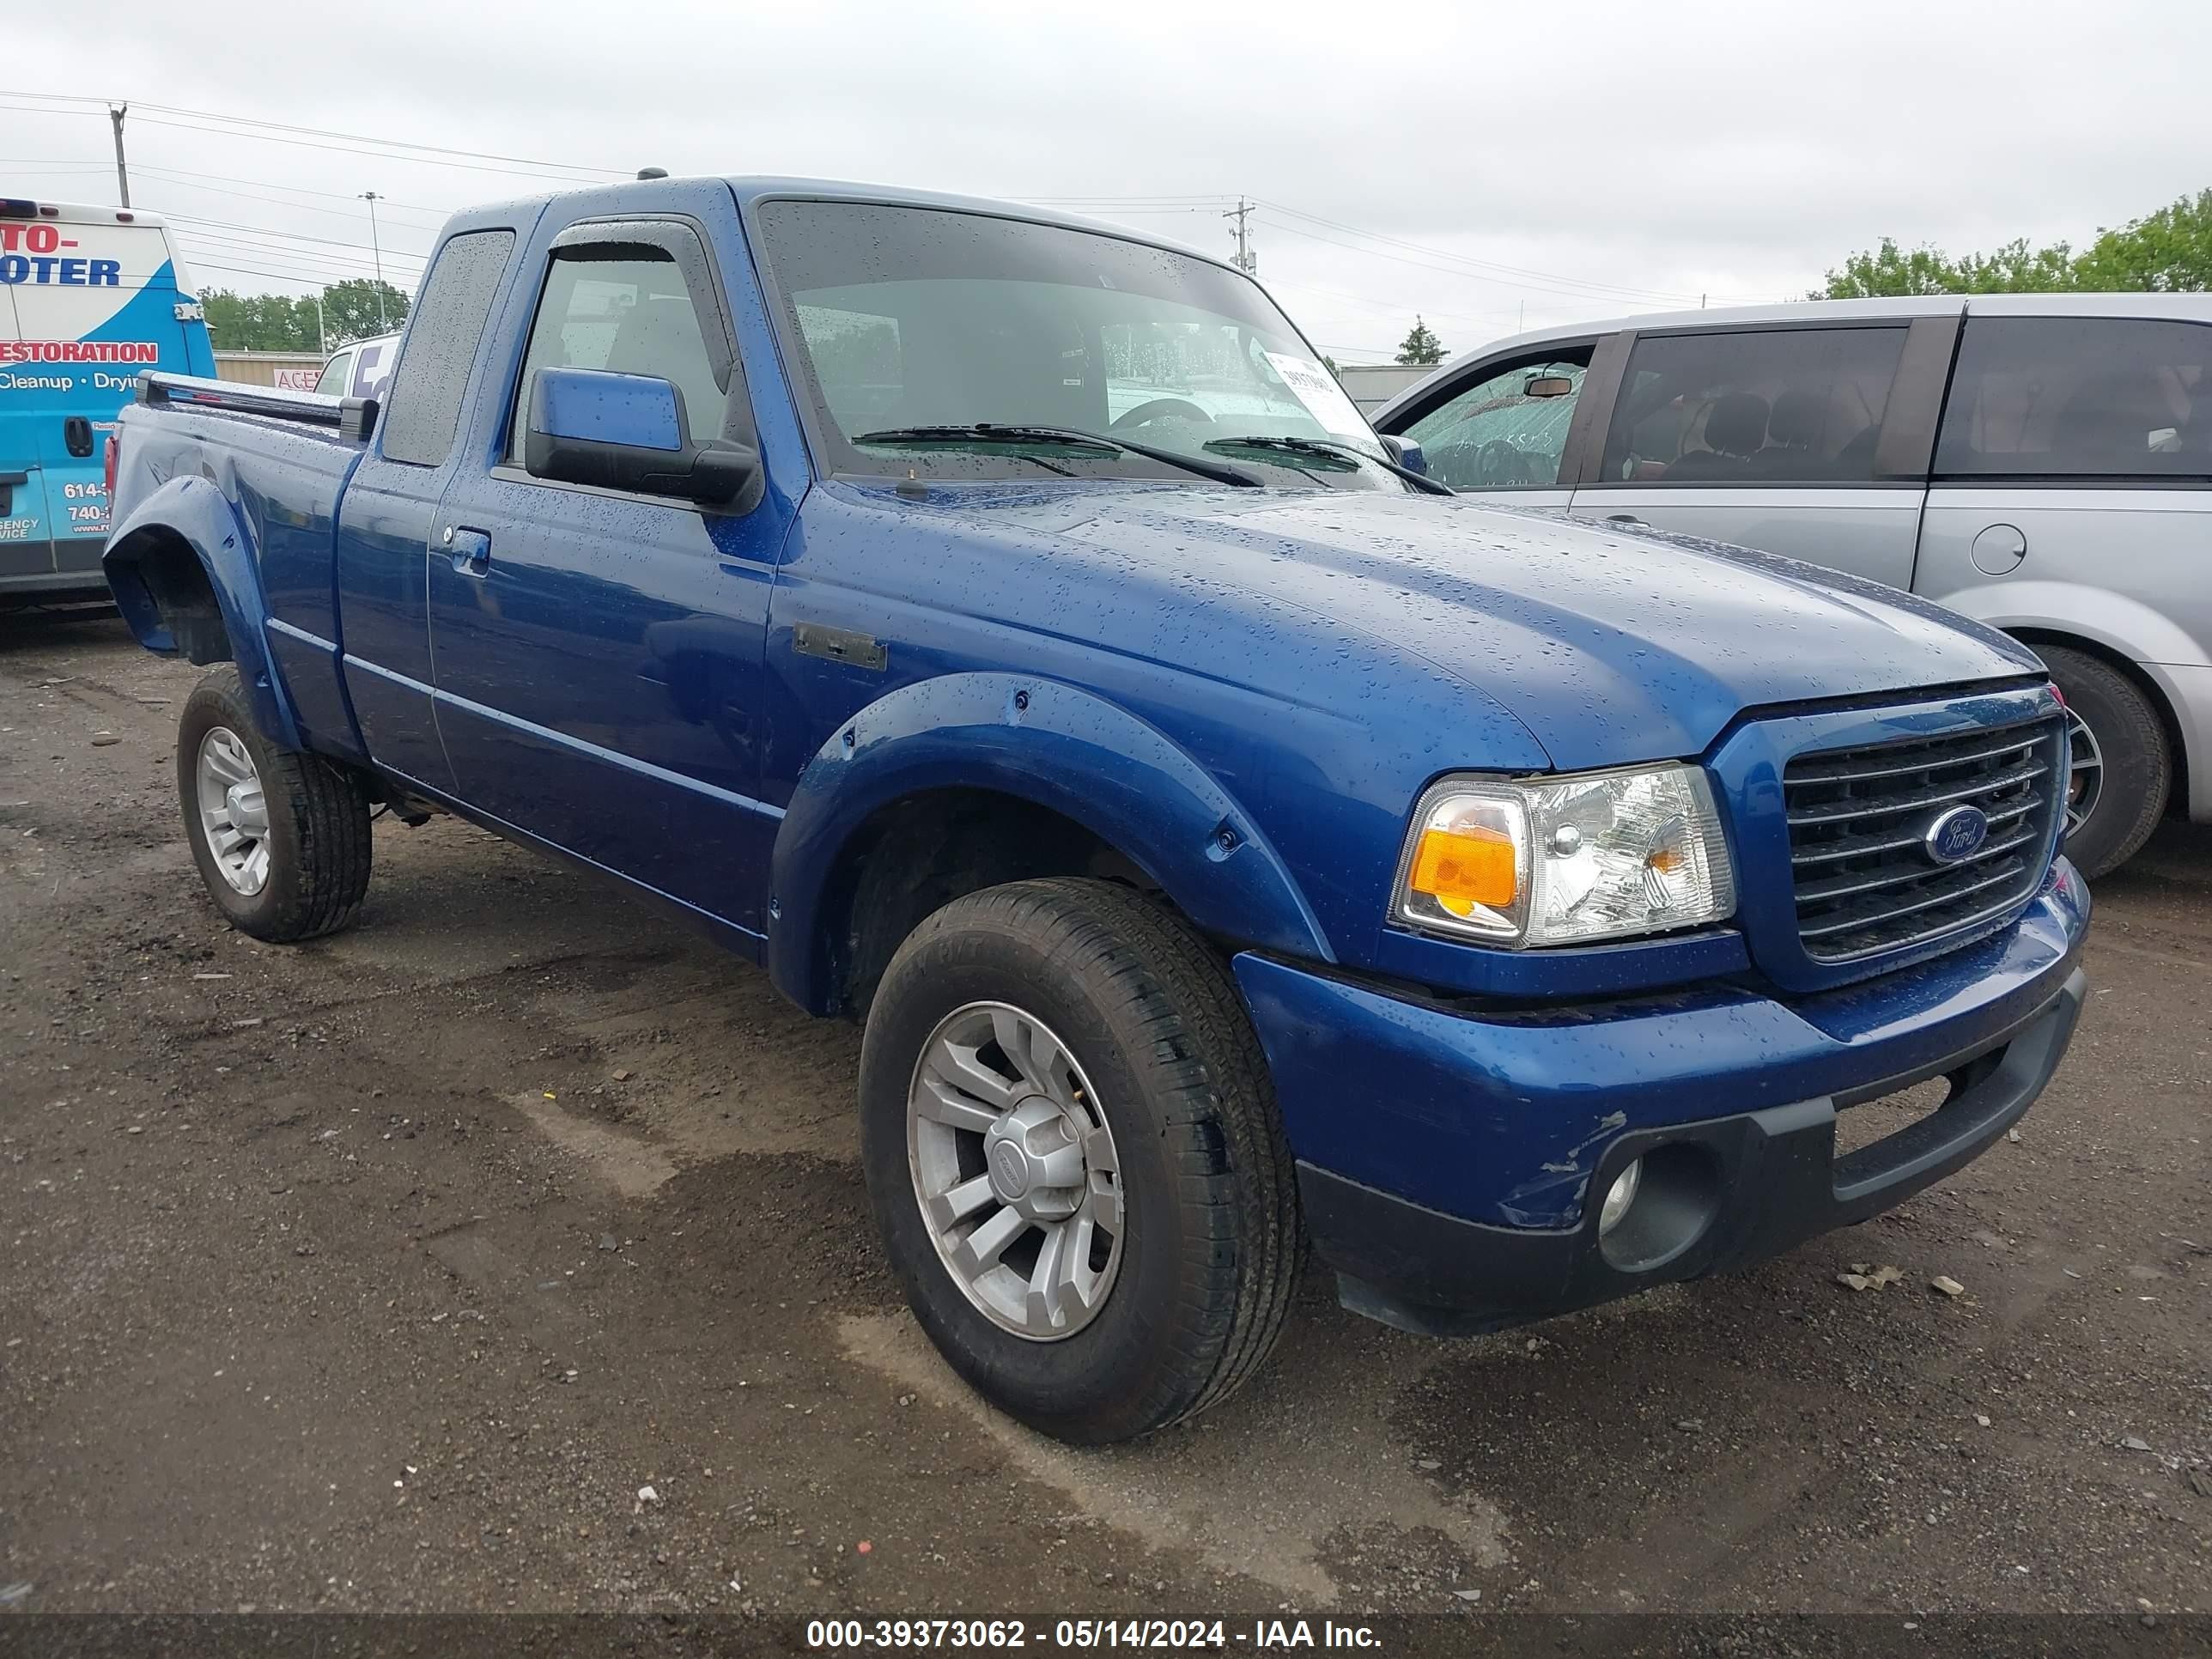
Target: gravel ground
x=384, y=1274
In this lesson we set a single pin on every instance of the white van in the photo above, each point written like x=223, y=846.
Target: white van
x=89, y=296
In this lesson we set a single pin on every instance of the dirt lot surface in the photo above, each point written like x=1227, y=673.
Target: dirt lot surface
x=384, y=1274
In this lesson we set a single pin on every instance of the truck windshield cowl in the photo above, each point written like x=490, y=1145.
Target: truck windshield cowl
x=906, y=318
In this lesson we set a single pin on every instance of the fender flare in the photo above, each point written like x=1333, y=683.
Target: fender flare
x=194, y=511
x=1050, y=744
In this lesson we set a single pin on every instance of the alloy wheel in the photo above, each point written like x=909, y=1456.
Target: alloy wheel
x=1015, y=1171
x=234, y=811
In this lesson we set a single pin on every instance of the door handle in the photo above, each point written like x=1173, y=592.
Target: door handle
x=471, y=550
x=1628, y=519
x=76, y=436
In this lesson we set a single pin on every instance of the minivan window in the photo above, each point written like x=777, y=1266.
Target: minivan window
x=446, y=327
x=1507, y=431
x=1776, y=406
x=2079, y=398
x=629, y=312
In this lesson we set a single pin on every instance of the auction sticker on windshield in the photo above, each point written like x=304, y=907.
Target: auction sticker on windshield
x=1316, y=388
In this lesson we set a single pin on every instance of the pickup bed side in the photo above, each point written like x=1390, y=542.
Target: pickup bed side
x=221, y=548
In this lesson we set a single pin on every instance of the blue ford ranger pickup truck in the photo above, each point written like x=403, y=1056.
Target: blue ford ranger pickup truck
x=1003, y=630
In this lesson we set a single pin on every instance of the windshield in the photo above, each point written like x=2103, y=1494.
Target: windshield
x=916, y=324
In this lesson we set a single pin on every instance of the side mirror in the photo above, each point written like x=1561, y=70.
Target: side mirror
x=628, y=432
x=1406, y=453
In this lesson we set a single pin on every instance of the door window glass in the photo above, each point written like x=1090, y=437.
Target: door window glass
x=630, y=313
x=1779, y=407
x=2078, y=397
x=332, y=381
x=1506, y=432
x=448, y=325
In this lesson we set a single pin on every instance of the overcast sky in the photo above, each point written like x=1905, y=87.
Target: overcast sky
x=1484, y=164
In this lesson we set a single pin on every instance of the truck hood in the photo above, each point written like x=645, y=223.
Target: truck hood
x=1609, y=646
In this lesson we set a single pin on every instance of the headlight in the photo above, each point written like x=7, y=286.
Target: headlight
x=1566, y=860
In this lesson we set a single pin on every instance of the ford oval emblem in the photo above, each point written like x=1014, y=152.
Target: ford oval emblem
x=1956, y=835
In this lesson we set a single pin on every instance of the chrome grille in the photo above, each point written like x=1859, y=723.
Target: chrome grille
x=1859, y=819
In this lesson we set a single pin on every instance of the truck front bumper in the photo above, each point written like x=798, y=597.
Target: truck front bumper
x=1451, y=1156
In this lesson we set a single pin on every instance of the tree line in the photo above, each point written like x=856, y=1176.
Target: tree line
x=290, y=322
x=2168, y=251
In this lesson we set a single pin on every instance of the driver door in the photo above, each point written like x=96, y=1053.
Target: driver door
x=1500, y=428
x=600, y=653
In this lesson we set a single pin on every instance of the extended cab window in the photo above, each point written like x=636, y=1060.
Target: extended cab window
x=424, y=409
x=1779, y=406
x=2079, y=398
x=1508, y=430
x=623, y=307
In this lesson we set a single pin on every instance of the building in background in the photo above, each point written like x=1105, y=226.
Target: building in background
x=1373, y=385
x=288, y=371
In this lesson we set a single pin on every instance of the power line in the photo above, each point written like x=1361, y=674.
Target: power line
x=1383, y=246
x=324, y=132
x=197, y=251
x=258, y=260
x=190, y=181
x=1391, y=307
x=1460, y=271
x=285, y=236
x=1509, y=276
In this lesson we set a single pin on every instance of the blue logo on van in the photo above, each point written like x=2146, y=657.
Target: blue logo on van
x=1955, y=835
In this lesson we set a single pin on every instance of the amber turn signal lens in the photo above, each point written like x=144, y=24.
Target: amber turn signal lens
x=1460, y=869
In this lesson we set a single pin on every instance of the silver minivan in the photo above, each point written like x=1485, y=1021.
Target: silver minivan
x=2042, y=463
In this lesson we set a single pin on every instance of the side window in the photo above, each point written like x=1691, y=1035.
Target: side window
x=624, y=308
x=1781, y=406
x=424, y=409
x=2078, y=397
x=331, y=383
x=1507, y=431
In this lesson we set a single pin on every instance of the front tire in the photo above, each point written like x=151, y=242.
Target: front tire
x=2123, y=770
x=1072, y=1148
x=281, y=839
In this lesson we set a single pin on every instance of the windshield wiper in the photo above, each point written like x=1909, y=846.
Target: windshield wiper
x=1330, y=447
x=992, y=432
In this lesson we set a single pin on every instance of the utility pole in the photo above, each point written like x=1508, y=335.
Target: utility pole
x=322, y=334
x=1246, y=260
x=376, y=249
x=115, y=114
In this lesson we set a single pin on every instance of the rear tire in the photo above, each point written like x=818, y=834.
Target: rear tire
x=1159, y=1070
x=281, y=839
x=2125, y=793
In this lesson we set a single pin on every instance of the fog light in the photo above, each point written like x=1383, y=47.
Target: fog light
x=1622, y=1194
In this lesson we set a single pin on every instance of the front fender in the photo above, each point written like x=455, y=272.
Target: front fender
x=165, y=610
x=1052, y=745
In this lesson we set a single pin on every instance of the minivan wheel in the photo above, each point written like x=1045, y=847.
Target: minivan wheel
x=2122, y=766
x=282, y=840
x=1072, y=1148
